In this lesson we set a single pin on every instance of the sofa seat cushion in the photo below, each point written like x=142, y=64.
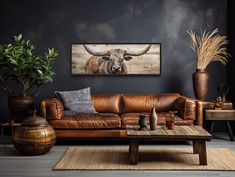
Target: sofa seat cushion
x=133, y=119
x=99, y=121
x=178, y=119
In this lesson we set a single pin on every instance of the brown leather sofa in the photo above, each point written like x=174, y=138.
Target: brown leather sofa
x=116, y=111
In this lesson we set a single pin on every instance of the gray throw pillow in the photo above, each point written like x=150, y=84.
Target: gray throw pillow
x=78, y=101
x=69, y=113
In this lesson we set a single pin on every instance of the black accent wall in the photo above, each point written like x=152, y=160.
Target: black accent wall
x=59, y=23
x=231, y=35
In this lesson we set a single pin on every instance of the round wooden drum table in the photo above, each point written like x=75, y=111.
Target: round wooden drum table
x=34, y=137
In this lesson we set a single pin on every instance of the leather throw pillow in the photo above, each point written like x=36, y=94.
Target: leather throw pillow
x=54, y=109
x=186, y=108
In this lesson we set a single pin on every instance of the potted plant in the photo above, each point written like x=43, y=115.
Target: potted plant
x=20, y=63
x=209, y=47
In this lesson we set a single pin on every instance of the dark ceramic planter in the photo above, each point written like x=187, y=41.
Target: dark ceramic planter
x=20, y=107
x=200, y=84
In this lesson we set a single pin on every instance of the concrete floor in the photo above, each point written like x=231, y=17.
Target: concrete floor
x=13, y=164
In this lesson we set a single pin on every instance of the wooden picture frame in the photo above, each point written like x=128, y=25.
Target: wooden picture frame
x=115, y=59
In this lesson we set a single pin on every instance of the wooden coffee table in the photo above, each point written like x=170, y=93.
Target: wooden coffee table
x=196, y=134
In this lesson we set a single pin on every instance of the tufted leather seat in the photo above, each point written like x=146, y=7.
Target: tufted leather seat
x=101, y=120
x=133, y=118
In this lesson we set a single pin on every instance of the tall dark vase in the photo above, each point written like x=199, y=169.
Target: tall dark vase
x=20, y=107
x=200, y=84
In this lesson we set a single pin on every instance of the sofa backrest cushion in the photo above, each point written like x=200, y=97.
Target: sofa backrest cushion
x=107, y=103
x=144, y=103
x=54, y=109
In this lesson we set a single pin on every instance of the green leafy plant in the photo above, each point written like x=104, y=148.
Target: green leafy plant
x=19, y=62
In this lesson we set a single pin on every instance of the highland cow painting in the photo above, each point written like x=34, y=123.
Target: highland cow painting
x=116, y=59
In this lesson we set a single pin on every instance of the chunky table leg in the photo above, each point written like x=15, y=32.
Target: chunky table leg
x=212, y=127
x=133, y=152
x=202, y=152
x=195, y=147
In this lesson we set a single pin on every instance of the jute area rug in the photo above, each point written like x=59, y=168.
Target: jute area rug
x=150, y=158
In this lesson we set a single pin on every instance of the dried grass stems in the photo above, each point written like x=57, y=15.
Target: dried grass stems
x=209, y=47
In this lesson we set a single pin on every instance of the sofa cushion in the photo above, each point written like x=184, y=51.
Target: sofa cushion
x=107, y=103
x=144, y=103
x=186, y=107
x=98, y=121
x=178, y=119
x=133, y=119
x=54, y=109
x=78, y=101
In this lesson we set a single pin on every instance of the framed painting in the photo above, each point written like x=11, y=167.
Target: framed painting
x=116, y=59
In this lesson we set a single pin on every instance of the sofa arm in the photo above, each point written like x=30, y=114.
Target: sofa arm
x=52, y=109
x=188, y=109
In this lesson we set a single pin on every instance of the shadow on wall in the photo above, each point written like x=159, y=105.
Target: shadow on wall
x=177, y=77
x=173, y=84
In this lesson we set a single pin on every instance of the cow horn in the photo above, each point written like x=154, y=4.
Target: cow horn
x=138, y=53
x=90, y=51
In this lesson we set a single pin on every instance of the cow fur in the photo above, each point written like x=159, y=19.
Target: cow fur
x=101, y=65
x=98, y=65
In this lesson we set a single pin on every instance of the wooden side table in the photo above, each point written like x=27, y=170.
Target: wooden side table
x=221, y=115
x=211, y=105
x=10, y=124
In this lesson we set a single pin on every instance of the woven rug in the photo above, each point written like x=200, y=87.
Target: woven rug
x=150, y=158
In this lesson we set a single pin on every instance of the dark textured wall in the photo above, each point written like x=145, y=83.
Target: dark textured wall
x=59, y=23
x=231, y=64
x=231, y=35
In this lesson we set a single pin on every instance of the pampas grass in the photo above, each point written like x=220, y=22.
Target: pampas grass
x=209, y=47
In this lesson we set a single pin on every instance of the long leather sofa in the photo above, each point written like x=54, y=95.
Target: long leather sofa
x=116, y=111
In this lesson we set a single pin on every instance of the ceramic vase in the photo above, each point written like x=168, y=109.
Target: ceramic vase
x=153, y=119
x=200, y=84
x=142, y=123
